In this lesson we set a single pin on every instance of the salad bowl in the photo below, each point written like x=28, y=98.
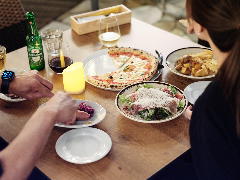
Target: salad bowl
x=151, y=102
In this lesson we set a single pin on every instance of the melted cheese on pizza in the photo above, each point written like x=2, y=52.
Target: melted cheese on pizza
x=131, y=71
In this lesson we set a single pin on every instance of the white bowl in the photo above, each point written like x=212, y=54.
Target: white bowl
x=175, y=55
x=155, y=84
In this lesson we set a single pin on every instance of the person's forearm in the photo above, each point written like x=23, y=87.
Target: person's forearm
x=19, y=157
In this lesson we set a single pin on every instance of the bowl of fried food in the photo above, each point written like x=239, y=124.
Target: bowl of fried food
x=192, y=62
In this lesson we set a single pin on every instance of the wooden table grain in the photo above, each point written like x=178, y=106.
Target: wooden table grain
x=138, y=149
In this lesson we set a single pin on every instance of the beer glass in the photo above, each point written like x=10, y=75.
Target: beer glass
x=2, y=58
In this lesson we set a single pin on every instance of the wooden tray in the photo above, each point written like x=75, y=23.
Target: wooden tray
x=123, y=14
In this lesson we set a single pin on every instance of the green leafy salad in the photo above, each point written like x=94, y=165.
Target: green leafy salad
x=150, y=103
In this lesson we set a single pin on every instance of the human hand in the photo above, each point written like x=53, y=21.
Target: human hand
x=64, y=108
x=188, y=112
x=81, y=115
x=30, y=85
x=190, y=28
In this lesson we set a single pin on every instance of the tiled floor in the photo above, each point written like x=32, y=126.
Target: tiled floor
x=149, y=11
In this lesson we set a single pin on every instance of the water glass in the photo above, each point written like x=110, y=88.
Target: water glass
x=52, y=40
x=109, y=32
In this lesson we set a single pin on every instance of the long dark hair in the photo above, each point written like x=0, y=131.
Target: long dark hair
x=221, y=18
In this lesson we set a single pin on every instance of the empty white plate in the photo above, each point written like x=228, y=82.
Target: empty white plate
x=84, y=145
x=194, y=90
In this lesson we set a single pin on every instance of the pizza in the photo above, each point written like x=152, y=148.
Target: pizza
x=133, y=66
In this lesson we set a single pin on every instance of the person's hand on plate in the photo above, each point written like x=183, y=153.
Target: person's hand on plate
x=30, y=85
x=81, y=115
x=188, y=112
x=64, y=108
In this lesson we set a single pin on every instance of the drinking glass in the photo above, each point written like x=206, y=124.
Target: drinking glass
x=58, y=53
x=109, y=33
x=2, y=57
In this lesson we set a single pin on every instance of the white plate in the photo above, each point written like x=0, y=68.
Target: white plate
x=99, y=115
x=82, y=146
x=8, y=99
x=132, y=88
x=101, y=63
x=175, y=55
x=194, y=90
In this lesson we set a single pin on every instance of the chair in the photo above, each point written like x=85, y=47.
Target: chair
x=95, y=4
x=12, y=25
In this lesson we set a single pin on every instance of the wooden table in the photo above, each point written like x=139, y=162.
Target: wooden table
x=138, y=150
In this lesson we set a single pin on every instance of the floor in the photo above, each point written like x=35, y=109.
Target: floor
x=149, y=11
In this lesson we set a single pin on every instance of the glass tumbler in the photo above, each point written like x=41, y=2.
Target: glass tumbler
x=58, y=58
x=2, y=58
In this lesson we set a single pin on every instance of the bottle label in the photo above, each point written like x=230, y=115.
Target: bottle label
x=35, y=55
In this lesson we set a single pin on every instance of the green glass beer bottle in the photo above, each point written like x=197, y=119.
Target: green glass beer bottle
x=34, y=44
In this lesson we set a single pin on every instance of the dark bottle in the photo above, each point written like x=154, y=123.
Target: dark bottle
x=34, y=44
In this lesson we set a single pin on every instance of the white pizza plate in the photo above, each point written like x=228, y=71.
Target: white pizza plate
x=82, y=146
x=99, y=115
x=100, y=63
x=194, y=90
x=175, y=55
x=8, y=99
x=132, y=88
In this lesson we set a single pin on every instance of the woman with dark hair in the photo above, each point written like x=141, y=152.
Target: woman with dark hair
x=215, y=119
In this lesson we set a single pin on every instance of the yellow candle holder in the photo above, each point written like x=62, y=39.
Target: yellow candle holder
x=73, y=78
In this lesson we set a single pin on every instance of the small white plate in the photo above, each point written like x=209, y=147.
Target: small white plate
x=8, y=99
x=98, y=116
x=175, y=55
x=82, y=146
x=194, y=90
x=101, y=63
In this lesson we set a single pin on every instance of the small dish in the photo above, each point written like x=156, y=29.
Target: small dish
x=99, y=115
x=194, y=90
x=175, y=55
x=82, y=146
